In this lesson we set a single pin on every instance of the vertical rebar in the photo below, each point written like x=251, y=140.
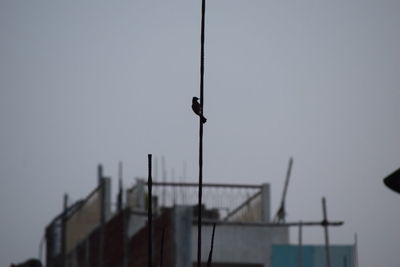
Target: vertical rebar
x=212, y=248
x=164, y=179
x=155, y=169
x=101, y=180
x=203, y=10
x=355, y=251
x=183, y=180
x=325, y=225
x=173, y=188
x=126, y=217
x=149, y=213
x=64, y=230
x=120, y=189
x=300, y=252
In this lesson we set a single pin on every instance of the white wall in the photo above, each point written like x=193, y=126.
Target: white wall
x=239, y=243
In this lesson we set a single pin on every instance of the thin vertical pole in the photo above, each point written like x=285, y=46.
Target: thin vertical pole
x=101, y=180
x=325, y=225
x=126, y=217
x=183, y=180
x=212, y=248
x=120, y=189
x=149, y=213
x=64, y=230
x=156, y=169
x=355, y=251
x=300, y=255
x=203, y=10
x=164, y=179
x=173, y=188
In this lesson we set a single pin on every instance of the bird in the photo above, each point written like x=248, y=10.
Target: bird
x=197, y=109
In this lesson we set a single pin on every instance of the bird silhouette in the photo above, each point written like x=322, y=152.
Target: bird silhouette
x=197, y=109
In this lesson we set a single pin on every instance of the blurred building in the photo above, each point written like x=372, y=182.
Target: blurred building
x=94, y=232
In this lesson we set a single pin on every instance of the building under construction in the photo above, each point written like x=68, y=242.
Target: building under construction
x=98, y=231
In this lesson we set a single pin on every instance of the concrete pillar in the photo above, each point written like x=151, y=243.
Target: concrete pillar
x=140, y=195
x=107, y=198
x=265, y=203
x=182, y=237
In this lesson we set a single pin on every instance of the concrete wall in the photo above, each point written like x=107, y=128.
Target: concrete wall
x=136, y=222
x=137, y=252
x=239, y=243
x=242, y=243
x=83, y=221
x=135, y=196
x=183, y=237
x=266, y=203
x=89, y=215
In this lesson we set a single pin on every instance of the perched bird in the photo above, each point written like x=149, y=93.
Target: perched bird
x=197, y=109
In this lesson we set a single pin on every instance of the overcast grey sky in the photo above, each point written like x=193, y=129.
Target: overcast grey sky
x=88, y=82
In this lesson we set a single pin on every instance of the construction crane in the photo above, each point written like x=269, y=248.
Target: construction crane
x=281, y=213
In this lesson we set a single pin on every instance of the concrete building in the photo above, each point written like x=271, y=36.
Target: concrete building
x=93, y=233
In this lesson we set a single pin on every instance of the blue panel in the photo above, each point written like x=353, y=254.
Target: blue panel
x=312, y=256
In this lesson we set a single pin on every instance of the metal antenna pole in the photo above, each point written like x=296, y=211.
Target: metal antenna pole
x=203, y=10
x=149, y=214
x=325, y=225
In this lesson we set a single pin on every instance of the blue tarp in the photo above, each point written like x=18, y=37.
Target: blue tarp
x=312, y=256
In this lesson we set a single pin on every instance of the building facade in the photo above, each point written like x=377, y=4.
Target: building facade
x=92, y=233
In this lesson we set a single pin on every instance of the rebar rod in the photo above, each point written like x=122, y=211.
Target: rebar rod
x=149, y=213
x=203, y=9
x=325, y=225
x=209, y=261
